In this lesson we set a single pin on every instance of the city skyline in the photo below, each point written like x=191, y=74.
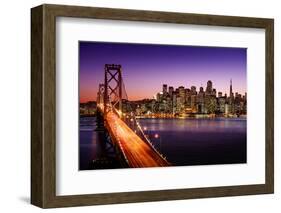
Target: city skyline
x=227, y=93
x=180, y=101
x=146, y=67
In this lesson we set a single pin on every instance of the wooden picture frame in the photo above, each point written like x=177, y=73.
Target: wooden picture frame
x=43, y=105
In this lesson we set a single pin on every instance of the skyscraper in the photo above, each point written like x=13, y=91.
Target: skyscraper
x=209, y=88
x=231, y=99
x=165, y=89
x=171, y=90
x=214, y=92
x=200, y=100
x=230, y=89
x=182, y=96
x=193, y=98
x=188, y=97
x=174, y=102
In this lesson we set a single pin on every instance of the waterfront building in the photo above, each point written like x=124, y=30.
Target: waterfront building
x=174, y=102
x=143, y=108
x=221, y=104
x=179, y=105
x=187, y=98
x=181, y=98
x=200, y=100
x=226, y=108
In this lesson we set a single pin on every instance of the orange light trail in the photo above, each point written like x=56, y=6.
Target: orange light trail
x=138, y=153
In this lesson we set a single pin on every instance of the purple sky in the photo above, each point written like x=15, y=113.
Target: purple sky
x=145, y=67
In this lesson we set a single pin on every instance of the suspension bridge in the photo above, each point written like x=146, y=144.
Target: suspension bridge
x=124, y=132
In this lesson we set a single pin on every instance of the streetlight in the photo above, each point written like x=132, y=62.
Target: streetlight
x=157, y=136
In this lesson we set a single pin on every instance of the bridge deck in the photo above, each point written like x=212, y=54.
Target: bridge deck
x=137, y=152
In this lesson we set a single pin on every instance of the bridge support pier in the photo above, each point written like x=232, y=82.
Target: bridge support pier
x=99, y=121
x=110, y=152
x=113, y=148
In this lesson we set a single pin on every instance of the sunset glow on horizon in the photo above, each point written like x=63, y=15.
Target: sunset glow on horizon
x=146, y=67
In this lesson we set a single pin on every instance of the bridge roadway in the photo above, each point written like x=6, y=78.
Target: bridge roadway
x=137, y=152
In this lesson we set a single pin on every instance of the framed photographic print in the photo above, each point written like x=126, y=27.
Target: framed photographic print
x=136, y=106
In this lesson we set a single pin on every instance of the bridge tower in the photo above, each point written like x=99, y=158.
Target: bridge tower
x=112, y=88
x=100, y=120
x=100, y=95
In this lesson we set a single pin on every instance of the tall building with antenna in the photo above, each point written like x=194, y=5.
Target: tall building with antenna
x=230, y=89
x=231, y=98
